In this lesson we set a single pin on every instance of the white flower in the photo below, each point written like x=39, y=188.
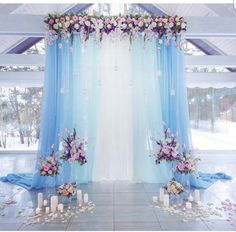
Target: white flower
x=87, y=23
x=124, y=25
x=183, y=25
x=140, y=24
x=171, y=25
x=109, y=26
x=67, y=24
x=154, y=24
x=130, y=25
x=159, y=24
x=115, y=23
x=76, y=26
x=100, y=25
x=55, y=26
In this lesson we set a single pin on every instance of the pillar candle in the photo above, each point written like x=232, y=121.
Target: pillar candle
x=196, y=195
x=86, y=198
x=188, y=205
x=166, y=200
x=79, y=197
x=60, y=207
x=155, y=199
x=56, y=200
x=161, y=197
x=199, y=203
x=54, y=203
x=190, y=198
x=37, y=210
x=47, y=210
x=40, y=200
x=45, y=203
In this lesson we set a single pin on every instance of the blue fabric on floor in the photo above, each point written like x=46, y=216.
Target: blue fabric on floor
x=23, y=180
x=205, y=180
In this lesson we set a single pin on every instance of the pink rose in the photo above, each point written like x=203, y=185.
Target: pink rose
x=129, y=20
x=75, y=18
x=160, y=20
x=62, y=20
x=64, y=192
x=171, y=19
x=51, y=21
x=181, y=166
x=45, y=168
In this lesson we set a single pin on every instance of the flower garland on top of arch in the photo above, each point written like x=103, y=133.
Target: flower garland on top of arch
x=163, y=28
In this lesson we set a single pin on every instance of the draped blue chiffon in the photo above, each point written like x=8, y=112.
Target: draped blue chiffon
x=66, y=104
x=71, y=93
x=175, y=106
x=147, y=113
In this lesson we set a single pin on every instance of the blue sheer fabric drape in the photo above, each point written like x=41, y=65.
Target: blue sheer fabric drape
x=175, y=106
x=71, y=100
x=147, y=113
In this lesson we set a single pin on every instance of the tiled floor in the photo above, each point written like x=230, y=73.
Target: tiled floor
x=119, y=205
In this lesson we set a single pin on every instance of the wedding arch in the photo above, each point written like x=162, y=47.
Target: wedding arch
x=117, y=81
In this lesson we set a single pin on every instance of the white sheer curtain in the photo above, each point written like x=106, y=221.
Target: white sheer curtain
x=114, y=145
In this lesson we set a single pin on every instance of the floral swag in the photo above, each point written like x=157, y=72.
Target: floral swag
x=163, y=28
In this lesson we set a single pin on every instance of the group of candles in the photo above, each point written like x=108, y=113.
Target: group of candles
x=166, y=200
x=54, y=204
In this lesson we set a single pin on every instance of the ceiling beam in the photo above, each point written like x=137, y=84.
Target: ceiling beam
x=210, y=61
x=8, y=8
x=203, y=45
x=22, y=60
x=29, y=42
x=35, y=79
x=190, y=61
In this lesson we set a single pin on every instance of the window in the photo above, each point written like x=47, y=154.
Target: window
x=19, y=118
x=114, y=9
x=213, y=118
x=20, y=107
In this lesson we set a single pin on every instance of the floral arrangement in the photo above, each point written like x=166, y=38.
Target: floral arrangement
x=168, y=148
x=49, y=165
x=174, y=187
x=73, y=149
x=63, y=26
x=67, y=189
x=185, y=164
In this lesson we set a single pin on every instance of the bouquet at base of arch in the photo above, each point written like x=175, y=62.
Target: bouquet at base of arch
x=185, y=163
x=49, y=166
x=174, y=187
x=167, y=148
x=73, y=148
x=67, y=190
